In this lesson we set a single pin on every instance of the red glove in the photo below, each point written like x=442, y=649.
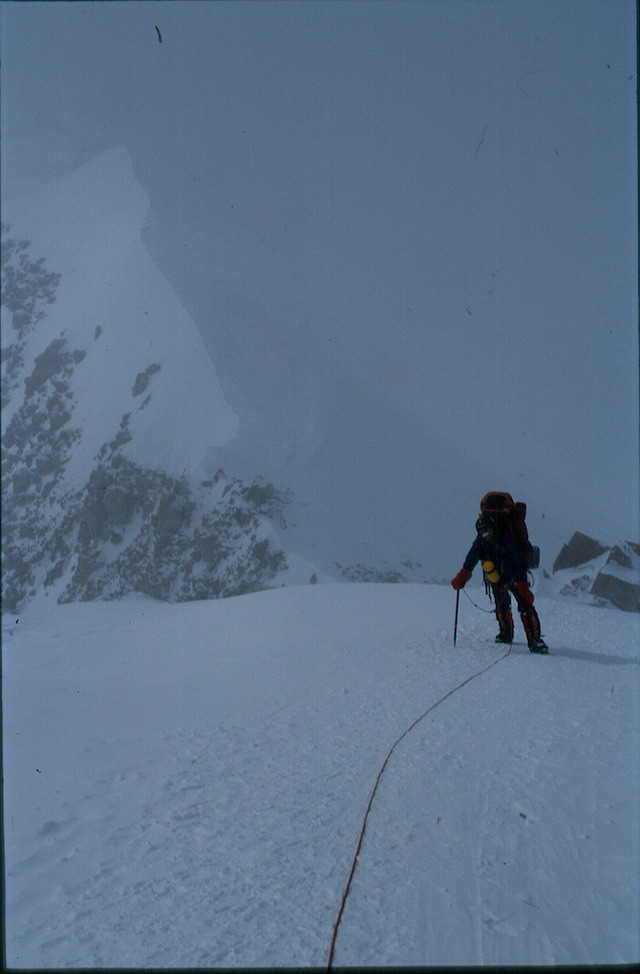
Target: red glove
x=461, y=579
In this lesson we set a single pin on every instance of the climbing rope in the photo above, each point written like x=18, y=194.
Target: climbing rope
x=464, y=592
x=375, y=788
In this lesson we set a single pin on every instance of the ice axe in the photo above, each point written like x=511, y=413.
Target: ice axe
x=455, y=624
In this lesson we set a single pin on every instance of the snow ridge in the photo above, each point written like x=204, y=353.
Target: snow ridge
x=110, y=406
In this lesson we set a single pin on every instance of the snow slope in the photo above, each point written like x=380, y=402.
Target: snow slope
x=111, y=405
x=114, y=305
x=185, y=784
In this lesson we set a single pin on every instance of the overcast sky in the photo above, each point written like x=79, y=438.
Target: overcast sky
x=439, y=197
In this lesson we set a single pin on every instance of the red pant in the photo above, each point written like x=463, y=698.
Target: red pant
x=524, y=598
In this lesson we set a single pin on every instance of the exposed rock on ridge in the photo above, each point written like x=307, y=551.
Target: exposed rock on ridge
x=609, y=575
x=128, y=527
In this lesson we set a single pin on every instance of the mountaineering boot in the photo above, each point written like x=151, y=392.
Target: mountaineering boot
x=531, y=624
x=538, y=645
x=505, y=637
x=505, y=621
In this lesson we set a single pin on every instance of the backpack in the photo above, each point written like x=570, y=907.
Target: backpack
x=510, y=517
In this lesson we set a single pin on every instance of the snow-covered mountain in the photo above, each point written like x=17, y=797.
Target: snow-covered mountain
x=117, y=432
x=141, y=354
x=128, y=467
x=110, y=405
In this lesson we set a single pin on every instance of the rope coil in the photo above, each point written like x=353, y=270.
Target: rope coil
x=375, y=788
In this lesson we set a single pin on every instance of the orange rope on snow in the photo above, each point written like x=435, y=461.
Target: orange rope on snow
x=375, y=788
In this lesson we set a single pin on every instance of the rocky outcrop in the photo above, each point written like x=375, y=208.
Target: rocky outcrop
x=126, y=528
x=139, y=530
x=578, y=551
x=618, y=581
x=604, y=575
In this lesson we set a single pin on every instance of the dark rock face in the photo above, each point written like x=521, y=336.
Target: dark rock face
x=616, y=582
x=619, y=557
x=578, y=551
x=27, y=290
x=36, y=447
x=127, y=529
x=142, y=531
x=624, y=595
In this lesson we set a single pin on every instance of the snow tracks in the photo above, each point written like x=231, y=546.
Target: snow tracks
x=185, y=785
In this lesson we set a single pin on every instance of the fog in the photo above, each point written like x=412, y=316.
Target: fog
x=407, y=233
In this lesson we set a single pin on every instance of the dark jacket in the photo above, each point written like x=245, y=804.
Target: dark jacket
x=503, y=552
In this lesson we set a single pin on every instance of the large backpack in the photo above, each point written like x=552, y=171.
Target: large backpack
x=510, y=517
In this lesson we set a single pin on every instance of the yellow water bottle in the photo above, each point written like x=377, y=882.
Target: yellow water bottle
x=491, y=571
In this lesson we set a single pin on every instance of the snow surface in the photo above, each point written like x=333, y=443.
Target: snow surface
x=185, y=784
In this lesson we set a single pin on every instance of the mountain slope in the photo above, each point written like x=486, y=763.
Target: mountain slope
x=185, y=784
x=117, y=433
x=110, y=404
x=142, y=355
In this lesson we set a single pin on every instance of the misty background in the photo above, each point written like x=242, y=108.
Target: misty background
x=406, y=232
